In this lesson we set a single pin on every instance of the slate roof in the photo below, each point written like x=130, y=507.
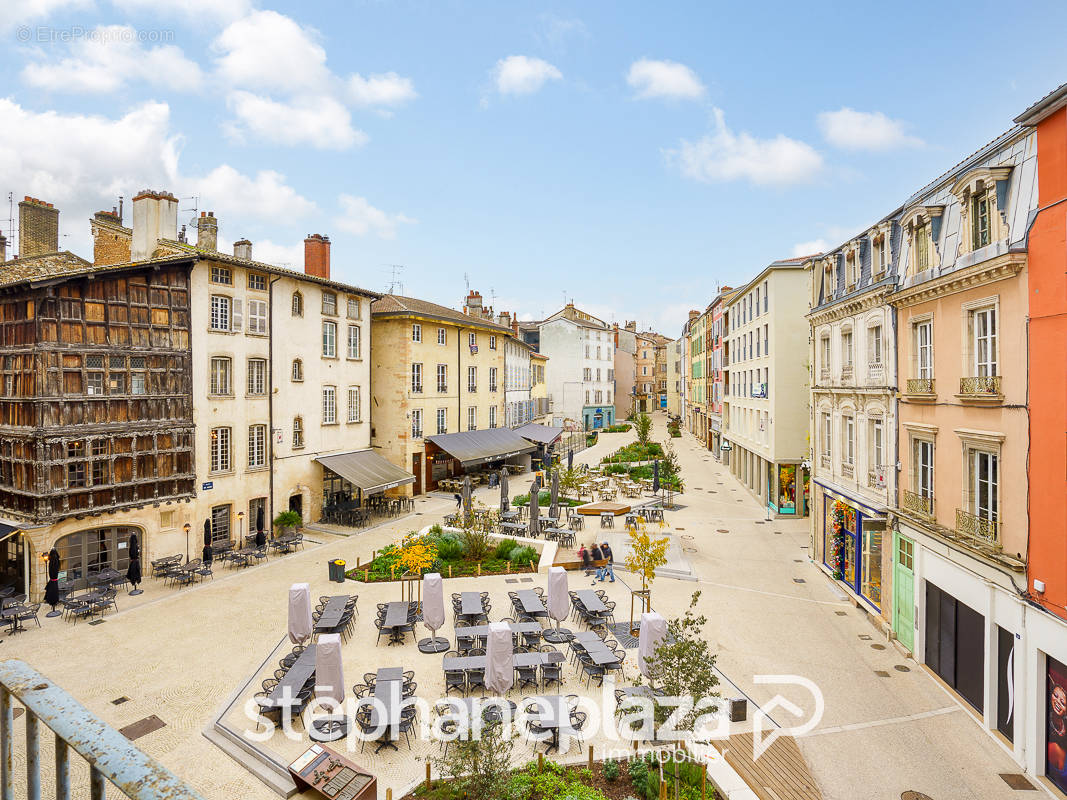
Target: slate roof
x=43, y=267
x=398, y=305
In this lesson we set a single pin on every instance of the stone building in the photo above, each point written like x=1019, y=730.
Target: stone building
x=581, y=375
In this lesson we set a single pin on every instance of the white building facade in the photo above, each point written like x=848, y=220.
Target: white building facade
x=518, y=380
x=581, y=374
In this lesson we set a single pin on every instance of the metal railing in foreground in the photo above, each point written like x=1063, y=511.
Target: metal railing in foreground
x=110, y=756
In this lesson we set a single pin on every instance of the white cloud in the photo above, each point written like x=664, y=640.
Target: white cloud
x=212, y=11
x=319, y=121
x=360, y=217
x=555, y=31
x=810, y=248
x=20, y=12
x=865, y=130
x=523, y=74
x=271, y=51
x=110, y=56
x=665, y=79
x=283, y=255
x=234, y=195
x=388, y=89
x=726, y=156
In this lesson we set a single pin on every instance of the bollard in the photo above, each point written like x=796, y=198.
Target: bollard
x=508, y=564
x=662, y=789
x=366, y=576
x=704, y=783
x=388, y=794
x=479, y=569
x=450, y=570
x=427, y=773
x=590, y=758
x=540, y=763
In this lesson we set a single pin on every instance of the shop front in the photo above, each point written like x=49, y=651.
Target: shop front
x=852, y=538
x=597, y=417
x=788, y=489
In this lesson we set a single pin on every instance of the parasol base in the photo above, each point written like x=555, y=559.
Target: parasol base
x=436, y=644
x=54, y=613
x=137, y=592
x=328, y=729
x=561, y=636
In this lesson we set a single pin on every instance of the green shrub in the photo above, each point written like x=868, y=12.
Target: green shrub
x=436, y=529
x=586, y=774
x=522, y=555
x=611, y=769
x=504, y=549
x=449, y=549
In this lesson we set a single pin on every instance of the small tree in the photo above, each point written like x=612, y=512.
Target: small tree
x=646, y=554
x=480, y=766
x=643, y=427
x=417, y=553
x=670, y=467
x=682, y=665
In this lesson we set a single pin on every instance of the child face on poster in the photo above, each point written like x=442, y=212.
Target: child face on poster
x=1057, y=755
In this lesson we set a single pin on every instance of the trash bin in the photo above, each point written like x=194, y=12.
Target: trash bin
x=738, y=709
x=337, y=570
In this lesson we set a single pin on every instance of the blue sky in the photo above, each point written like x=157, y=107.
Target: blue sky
x=631, y=156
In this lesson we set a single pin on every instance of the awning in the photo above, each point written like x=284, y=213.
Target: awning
x=477, y=447
x=367, y=470
x=542, y=434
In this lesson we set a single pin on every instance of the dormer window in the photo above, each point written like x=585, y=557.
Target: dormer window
x=879, y=256
x=981, y=227
x=920, y=240
x=851, y=270
x=982, y=192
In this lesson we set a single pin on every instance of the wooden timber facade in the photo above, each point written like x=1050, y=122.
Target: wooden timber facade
x=95, y=390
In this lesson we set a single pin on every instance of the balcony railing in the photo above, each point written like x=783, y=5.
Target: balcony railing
x=919, y=504
x=876, y=477
x=980, y=386
x=977, y=527
x=492, y=387
x=824, y=461
x=824, y=376
x=876, y=370
x=110, y=756
x=920, y=386
x=846, y=372
x=847, y=469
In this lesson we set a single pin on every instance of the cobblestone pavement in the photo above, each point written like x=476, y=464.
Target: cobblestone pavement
x=179, y=653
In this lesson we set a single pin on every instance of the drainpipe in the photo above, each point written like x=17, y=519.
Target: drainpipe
x=270, y=404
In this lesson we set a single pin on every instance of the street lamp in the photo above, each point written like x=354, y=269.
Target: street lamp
x=187, y=527
x=240, y=526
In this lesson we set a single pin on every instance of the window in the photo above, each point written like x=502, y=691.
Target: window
x=221, y=275
x=984, y=333
x=980, y=219
x=874, y=344
x=329, y=339
x=472, y=379
x=846, y=348
x=416, y=423
x=924, y=349
x=766, y=296
x=416, y=333
x=137, y=383
x=76, y=470
x=924, y=468
x=442, y=336
x=257, y=317
x=492, y=342
x=220, y=376
x=587, y=374
x=879, y=255
x=442, y=420
x=984, y=468
x=472, y=418
x=298, y=370
x=298, y=432
x=827, y=435
x=298, y=304
x=354, y=413
x=116, y=383
x=825, y=347
x=876, y=446
x=353, y=341
x=416, y=378
x=329, y=303
x=257, y=446
x=492, y=416
x=220, y=450
x=220, y=312
x=848, y=440
x=257, y=280
x=329, y=405
x=921, y=242
x=353, y=309
x=472, y=340
x=257, y=376
x=442, y=378
x=906, y=552
x=492, y=379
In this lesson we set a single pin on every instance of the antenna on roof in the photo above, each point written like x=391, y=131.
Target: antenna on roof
x=467, y=280
x=396, y=286
x=11, y=221
x=192, y=211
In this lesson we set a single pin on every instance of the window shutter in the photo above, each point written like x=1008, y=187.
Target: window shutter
x=237, y=317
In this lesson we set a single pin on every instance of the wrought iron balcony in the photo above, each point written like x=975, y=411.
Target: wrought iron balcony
x=978, y=527
x=846, y=372
x=919, y=504
x=847, y=470
x=980, y=386
x=876, y=477
x=876, y=370
x=920, y=386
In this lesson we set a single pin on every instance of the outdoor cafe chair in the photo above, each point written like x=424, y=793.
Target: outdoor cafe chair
x=591, y=670
x=379, y=624
x=455, y=679
x=78, y=608
x=26, y=613
x=360, y=690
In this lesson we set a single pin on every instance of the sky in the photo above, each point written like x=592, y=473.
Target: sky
x=629, y=157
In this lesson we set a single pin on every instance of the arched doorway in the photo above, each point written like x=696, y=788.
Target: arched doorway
x=86, y=553
x=13, y=558
x=296, y=503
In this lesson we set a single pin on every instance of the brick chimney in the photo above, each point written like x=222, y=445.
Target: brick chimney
x=242, y=248
x=317, y=255
x=473, y=306
x=111, y=241
x=38, y=228
x=207, y=232
x=515, y=324
x=693, y=315
x=155, y=217
x=504, y=319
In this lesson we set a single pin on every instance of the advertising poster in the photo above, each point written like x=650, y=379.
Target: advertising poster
x=1056, y=705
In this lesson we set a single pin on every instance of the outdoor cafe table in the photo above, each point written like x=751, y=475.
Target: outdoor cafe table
x=553, y=713
x=482, y=631
x=388, y=690
x=591, y=600
x=396, y=616
x=331, y=615
x=602, y=655
x=518, y=527
x=457, y=663
x=509, y=516
x=470, y=604
x=531, y=603
x=295, y=678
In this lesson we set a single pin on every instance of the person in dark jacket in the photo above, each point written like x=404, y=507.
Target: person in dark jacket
x=587, y=562
x=598, y=555
x=607, y=571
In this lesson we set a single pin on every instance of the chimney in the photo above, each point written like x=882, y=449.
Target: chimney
x=155, y=217
x=3, y=248
x=317, y=255
x=242, y=248
x=474, y=304
x=38, y=228
x=515, y=324
x=111, y=241
x=693, y=315
x=207, y=232
x=631, y=325
x=504, y=319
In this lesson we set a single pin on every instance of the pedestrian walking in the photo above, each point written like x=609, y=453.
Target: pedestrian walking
x=598, y=555
x=459, y=499
x=587, y=562
x=609, y=569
